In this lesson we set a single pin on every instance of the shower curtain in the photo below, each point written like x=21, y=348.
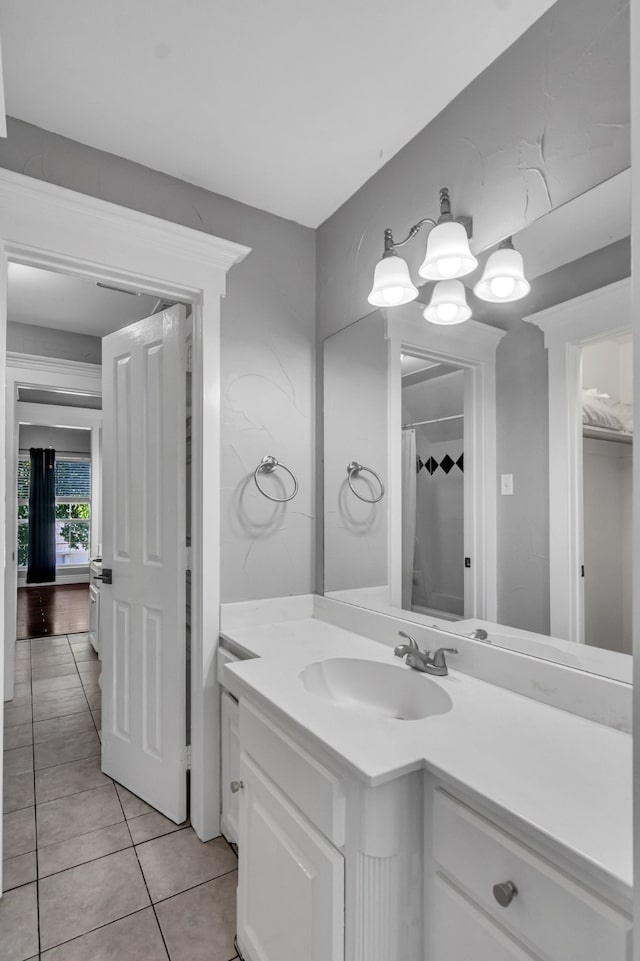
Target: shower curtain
x=409, y=493
x=41, y=549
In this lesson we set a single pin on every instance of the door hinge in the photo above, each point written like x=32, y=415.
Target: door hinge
x=189, y=359
x=188, y=757
x=188, y=559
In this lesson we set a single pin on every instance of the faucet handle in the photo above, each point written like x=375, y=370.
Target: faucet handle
x=412, y=641
x=438, y=656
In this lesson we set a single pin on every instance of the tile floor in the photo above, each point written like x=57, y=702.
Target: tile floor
x=91, y=872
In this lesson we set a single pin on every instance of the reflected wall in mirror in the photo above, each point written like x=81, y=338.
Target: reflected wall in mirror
x=509, y=503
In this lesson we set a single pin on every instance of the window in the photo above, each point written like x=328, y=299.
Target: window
x=73, y=510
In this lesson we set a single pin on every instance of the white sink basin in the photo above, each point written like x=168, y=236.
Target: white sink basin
x=374, y=687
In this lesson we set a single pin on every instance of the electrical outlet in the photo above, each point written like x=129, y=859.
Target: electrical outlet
x=506, y=483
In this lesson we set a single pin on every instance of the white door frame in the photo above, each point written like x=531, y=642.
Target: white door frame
x=30, y=370
x=471, y=346
x=567, y=327
x=48, y=226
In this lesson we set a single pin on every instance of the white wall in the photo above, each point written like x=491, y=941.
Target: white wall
x=61, y=439
x=608, y=366
x=355, y=428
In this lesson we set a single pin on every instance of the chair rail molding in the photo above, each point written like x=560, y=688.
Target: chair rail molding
x=567, y=327
x=47, y=226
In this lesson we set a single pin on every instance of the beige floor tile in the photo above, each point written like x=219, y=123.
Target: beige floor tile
x=84, y=654
x=47, y=671
x=22, y=674
x=132, y=806
x=55, y=658
x=19, y=736
x=65, y=726
x=21, y=694
x=19, y=871
x=200, y=924
x=67, y=854
x=18, y=833
x=81, y=638
x=16, y=714
x=59, y=750
x=67, y=779
x=17, y=792
x=49, y=685
x=49, y=640
x=90, y=685
x=178, y=861
x=97, y=719
x=136, y=938
x=77, y=814
x=18, y=761
x=91, y=668
x=152, y=825
x=19, y=924
x=86, y=897
x=59, y=705
x=95, y=700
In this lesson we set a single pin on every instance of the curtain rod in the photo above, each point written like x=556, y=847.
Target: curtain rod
x=436, y=420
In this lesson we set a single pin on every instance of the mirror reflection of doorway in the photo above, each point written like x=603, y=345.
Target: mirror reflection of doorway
x=433, y=487
x=607, y=454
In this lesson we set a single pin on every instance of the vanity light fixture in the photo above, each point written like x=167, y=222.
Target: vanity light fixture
x=448, y=303
x=447, y=257
x=503, y=278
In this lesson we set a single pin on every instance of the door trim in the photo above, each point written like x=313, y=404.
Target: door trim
x=476, y=353
x=44, y=225
x=567, y=327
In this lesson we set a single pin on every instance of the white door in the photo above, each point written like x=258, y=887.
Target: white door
x=142, y=613
x=290, y=879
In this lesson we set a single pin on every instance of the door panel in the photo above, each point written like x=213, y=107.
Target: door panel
x=143, y=610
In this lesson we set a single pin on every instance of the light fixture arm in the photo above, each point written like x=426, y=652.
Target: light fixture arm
x=390, y=244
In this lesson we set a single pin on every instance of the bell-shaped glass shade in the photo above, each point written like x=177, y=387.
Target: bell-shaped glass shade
x=392, y=284
x=503, y=278
x=448, y=303
x=448, y=253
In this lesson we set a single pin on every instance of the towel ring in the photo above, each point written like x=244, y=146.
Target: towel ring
x=267, y=466
x=355, y=468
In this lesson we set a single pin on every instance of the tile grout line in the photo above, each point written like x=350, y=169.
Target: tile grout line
x=144, y=879
x=35, y=820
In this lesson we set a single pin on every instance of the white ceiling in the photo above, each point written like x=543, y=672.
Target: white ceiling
x=62, y=302
x=287, y=105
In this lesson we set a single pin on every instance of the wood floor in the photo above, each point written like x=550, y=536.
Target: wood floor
x=55, y=609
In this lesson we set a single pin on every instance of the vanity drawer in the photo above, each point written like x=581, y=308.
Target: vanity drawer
x=316, y=791
x=551, y=911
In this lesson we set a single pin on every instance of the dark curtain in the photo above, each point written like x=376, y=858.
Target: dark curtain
x=41, y=563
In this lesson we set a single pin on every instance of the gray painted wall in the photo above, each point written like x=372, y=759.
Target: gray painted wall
x=46, y=342
x=62, y=440
x=548, y=120
x=267, y=349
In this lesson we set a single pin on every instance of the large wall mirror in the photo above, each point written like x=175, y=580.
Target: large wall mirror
x=478, y=476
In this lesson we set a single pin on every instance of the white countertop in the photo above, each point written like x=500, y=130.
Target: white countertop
x=567, y=777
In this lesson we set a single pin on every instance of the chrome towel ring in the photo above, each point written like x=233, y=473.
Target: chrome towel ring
x=267, y=466
x=355, y=468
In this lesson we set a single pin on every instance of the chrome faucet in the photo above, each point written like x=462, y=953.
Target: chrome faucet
x=424, y=661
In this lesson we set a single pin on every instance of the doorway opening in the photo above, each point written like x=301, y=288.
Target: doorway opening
x=433, y=487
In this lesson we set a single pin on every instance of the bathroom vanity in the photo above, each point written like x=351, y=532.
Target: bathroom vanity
x=496, y=828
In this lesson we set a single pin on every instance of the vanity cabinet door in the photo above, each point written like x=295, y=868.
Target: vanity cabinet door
x=290, y=879
x=458, y=931
x=230, y=749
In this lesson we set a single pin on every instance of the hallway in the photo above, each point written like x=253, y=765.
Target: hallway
x=91, y=872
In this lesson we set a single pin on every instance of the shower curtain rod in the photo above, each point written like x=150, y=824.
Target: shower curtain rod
x=436, y=420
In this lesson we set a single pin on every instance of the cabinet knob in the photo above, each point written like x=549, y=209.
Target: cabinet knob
x=505, y=893
x=236, y=786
